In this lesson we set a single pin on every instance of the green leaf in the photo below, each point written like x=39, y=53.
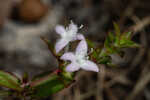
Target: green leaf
x=117, y=29
x=107, y=43
x=127, y=35
x=103, y=53
x=48, y=85
x=95, y=54
x=108, y=40
x=111, y=37
x=104, y=60
x=118, y=33
x=10, y=81
x=67, y=75
x=90, y=43
x=128, y=43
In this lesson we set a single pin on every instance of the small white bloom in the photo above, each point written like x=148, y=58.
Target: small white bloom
x=79, y=59
x=67, y=34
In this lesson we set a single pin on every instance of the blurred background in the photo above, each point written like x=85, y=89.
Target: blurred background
x=22, y=22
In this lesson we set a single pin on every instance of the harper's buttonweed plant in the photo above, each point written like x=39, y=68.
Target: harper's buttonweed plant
x=86, y=56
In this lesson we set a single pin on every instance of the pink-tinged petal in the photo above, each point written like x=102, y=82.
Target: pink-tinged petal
x=80, y=36
x=60, y=30
x=72, y=67
x=82, y=48
x=73, y=27
x=90, y=66
x=68, y=56
x=60, y=44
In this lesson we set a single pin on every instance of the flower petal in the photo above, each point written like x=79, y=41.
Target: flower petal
x=80, y=36
x=68, y=56
x=90, y=66
x=73, y=28
x=60, y=30
x=60, y=44
x=72, y=67
x=82, y=48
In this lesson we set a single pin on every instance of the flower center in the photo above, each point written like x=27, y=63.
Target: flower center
x=69, y=34
x=80, y=59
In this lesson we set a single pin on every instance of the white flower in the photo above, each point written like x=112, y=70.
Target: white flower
x=67, y=34
x=79, y=59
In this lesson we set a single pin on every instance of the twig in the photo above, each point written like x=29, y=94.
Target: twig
x=100, y=83
x=140, y=24
x=141, y=83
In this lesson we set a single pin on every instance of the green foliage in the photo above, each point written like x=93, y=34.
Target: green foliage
x=10, y=81
x=114, y=44
x=126, y=42
x=49, y=85
x=117, y=29
x=90, y=43
x=46, y=87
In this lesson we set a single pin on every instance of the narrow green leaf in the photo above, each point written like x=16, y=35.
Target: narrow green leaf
x=103, y=53
x=111, y=37
x=117, y=29
x=128, y=35
x=107, y=43
x=109, y=40
x=118, y=33
x=10, y=81
x=128, y=43
x=104, y=60
x=48, y=85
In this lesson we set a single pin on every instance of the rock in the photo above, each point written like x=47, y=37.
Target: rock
x=32, y=10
